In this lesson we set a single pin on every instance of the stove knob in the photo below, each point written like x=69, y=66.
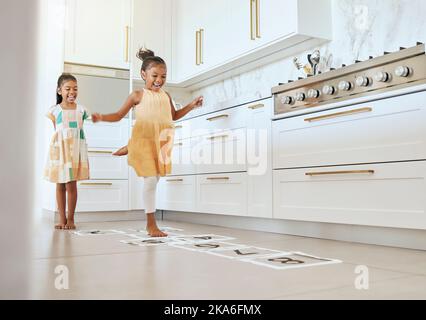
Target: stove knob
x=345, y=85
x=300, y=96
x=363, y=81
x=313, y=93
x=402, y=71
x=328, y=90
x=382, y=77
x=287, y=100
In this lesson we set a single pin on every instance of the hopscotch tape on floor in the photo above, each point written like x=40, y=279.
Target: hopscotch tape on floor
x=200, y=238
x=96, y=232
x=291, y=260
x=244, y=252
x=205, y=246
x=147, y=242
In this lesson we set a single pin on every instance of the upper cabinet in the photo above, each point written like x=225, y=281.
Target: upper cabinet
x=98, y=32
x=213, y=40
x=151, y=28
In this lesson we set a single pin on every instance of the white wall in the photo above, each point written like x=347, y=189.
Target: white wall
x=50, y=66
x=360, y=28
x=18, y=90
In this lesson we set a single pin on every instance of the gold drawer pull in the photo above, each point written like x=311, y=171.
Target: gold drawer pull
x=218, y=117
x=178, y=127
x=256, y=106
x=180, y=144
x=339, y=114
x=99, y=151
x=175, y=180
x=218, y=178
x=218, y=137
x=96, y=184
x=339, y=172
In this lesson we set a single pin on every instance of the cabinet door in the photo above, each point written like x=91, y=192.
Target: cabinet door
x=103, y=195
x=98, y=32
x=259, y=159
x=152, y=31
x=186, y=22
x=276, y=19
x=385, y=195
x=222, y=194
x=107, y=134
x=177, y=193
x=103, y=165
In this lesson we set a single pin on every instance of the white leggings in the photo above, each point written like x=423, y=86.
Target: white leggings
x=149, y=191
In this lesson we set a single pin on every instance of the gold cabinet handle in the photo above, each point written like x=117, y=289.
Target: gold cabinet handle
x=218, y=137
x=179, y=144
x=174, y=180
x=256, y=106
x=257, y=18
x=338, y=114
x=218, y=178
x=178, y=127
x=201, y=46
x=197, y=47
x=218, y=117
x=100, y=151
x=252, y=35
x=126, y=53
x=339, y=172
x=95, y=184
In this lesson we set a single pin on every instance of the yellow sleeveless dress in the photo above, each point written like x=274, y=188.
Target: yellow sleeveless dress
x=151, y=142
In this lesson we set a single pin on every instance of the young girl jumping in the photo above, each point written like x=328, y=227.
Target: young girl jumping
x=149, y=148
x=67, y=160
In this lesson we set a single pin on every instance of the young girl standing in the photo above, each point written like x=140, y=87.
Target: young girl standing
x=150, y=145
x=68, y=160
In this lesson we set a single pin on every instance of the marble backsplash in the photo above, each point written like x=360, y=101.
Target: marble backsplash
x=361, y=28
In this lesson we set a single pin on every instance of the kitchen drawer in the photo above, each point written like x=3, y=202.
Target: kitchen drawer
x=103, y=165
x=228, y=119
x=381, y=131
x=222, y=194
x=103, y=195
x=177, y=193
x=221, y=152
x=385, y=195
x=107, y=134
x=181, y=157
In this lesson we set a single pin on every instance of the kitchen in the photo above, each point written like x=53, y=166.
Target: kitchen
x=309, y=145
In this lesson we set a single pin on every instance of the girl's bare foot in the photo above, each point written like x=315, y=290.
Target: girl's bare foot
x=154, y=231
x=70, y=225
x=62, y=223
x=121, y=152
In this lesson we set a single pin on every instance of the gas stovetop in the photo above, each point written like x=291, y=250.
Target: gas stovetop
x=388, y=72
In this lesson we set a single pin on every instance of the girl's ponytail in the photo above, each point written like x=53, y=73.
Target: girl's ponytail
x=148, y=58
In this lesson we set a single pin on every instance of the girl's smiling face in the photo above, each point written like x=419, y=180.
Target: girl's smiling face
x=68, y=91
x=155, y=77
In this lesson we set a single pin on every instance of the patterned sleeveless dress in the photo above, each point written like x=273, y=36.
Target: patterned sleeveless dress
x=67, y=159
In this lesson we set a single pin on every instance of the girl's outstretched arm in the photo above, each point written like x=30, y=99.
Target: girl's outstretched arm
x=179, y=114
x=131, y=101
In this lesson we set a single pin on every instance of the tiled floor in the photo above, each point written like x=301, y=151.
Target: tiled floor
x=100, y=267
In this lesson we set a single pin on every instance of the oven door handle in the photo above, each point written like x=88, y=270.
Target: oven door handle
x=339, y=114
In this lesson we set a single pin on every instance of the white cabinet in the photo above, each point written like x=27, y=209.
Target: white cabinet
x=177, y=193
x=103, y=195
x=182, y=159
x=151, y=28
x=107, y=134
x=386, y=195
x=243, y=34
x=380, y=131
x=98, y=32
x=103, y=165
x=222, y=194
x=259, y=159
